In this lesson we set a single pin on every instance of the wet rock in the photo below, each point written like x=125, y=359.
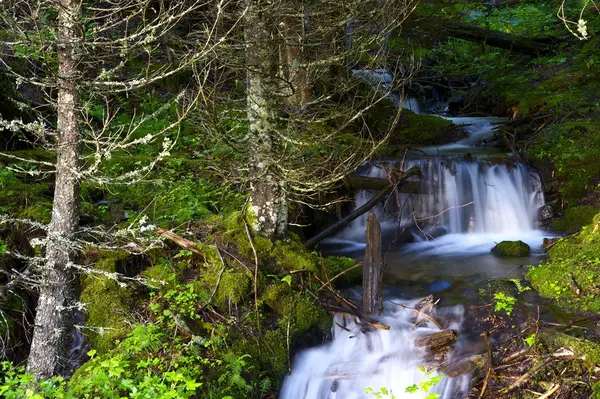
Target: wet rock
x=437, y=342
x=545, y=214
x=511, y=248
x=471, y=365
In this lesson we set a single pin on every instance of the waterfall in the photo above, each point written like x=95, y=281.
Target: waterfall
x=360, y=358
x=459, y=192
x=474, y=197
x=468, y=197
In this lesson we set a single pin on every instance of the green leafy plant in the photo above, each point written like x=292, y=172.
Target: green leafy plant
x=382, y=393
x=530, y=340
x=427, y=385
x=504, y=302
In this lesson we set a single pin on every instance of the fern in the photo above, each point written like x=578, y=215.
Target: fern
x=520, y=287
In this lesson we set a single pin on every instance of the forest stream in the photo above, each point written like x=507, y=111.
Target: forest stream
x=470, y=198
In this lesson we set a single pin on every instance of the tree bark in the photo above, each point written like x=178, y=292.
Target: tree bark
x=373, y=266
x=268, y=200
x=54, y=313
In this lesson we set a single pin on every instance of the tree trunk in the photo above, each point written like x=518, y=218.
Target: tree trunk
x=295, y=77
x=54, y=313
x=268, y=202
x=373, y=266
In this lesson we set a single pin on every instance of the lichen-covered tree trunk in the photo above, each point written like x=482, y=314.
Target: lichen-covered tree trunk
x=268, y=200
x=53, y=320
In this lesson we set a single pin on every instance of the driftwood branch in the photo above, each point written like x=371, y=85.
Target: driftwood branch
x=337, y=226
x=179, y=240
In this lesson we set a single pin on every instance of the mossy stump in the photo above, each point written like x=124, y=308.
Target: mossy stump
x=511, y=248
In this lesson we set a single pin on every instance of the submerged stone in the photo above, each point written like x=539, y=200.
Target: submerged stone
x=511, y=248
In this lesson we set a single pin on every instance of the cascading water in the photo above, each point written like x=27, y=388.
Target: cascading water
x=357, y=359
x=476, y=198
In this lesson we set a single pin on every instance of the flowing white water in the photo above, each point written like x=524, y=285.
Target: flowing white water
x=476, y=202
x=356, y=360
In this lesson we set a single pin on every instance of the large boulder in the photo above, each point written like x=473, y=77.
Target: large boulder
x=511, y=248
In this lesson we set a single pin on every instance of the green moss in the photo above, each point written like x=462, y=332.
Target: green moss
x=108, y=305
x=423, y=129
x=575, y=218
x=337, y=264
x=234, y=287
x=573, y=147
x=511, y=248
x=576, y=259
x=292, y=255
x=162, y=271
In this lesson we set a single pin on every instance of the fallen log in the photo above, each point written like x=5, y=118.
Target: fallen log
x=337, y=226
x=357, y=182
x=445, y=27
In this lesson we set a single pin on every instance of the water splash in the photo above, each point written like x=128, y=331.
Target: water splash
x=358, y=358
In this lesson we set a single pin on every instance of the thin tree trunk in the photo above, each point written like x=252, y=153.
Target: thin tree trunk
x=268, y=202
x=291, y=59
x=54, y=313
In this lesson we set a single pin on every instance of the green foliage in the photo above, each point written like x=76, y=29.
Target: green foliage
x=575, y=218
x=577, y=260
x=504, y=302
x=382, y=393
x=531, y=340
x=426, y=385
x=520, y=287
x=574, y=148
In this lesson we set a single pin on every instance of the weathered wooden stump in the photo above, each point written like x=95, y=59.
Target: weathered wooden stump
x=373, y=266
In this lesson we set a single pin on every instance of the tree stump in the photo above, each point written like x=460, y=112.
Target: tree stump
x=373, y=266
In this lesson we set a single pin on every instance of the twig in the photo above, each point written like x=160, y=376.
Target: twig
x=418, y=312
x=524, y=377
x=338, y=275
x=179, y=240
x=484, y=335
x=550, y=391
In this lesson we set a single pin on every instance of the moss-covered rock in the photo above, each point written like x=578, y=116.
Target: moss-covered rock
x=511, y=248
x=108, y=305
x=573, y=265
x=587, y=350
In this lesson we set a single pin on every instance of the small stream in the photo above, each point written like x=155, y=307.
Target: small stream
x=470, y=198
